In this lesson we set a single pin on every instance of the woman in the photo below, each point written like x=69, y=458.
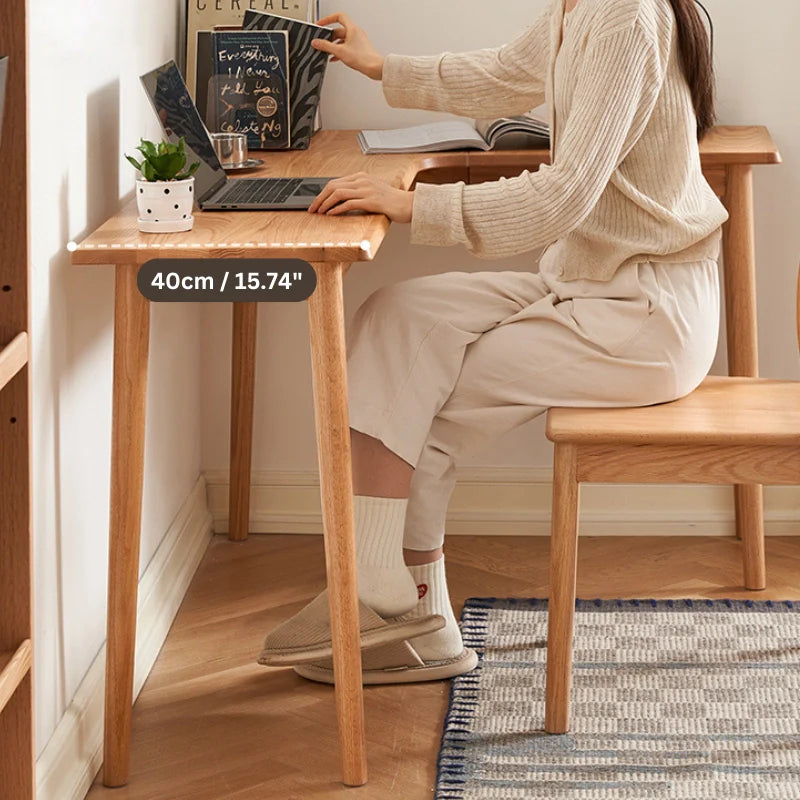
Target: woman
x=623, y=311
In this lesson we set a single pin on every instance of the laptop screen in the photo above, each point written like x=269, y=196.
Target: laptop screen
x=178, y=116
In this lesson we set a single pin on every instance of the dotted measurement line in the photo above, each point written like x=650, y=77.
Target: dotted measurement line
x=73, y=246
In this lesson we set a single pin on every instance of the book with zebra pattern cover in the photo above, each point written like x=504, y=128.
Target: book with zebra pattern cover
x=306, y=68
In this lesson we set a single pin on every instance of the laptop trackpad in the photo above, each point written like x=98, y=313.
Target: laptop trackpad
x=310, y=188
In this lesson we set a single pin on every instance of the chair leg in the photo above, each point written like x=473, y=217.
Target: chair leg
x=563, y=574
x=750, y=525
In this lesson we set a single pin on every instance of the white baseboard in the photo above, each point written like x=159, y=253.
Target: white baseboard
x=516, y=502
x=68, y=764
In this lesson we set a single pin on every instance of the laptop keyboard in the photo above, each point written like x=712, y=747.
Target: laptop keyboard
x=259, y=190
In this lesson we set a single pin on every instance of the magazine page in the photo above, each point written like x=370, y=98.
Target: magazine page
x=445, y=135
x=527, y=131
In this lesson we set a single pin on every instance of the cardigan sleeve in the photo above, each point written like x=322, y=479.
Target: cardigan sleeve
x=482, y=83
x=617, y=83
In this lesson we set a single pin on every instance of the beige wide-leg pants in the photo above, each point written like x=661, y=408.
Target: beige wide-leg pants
x=442, y=365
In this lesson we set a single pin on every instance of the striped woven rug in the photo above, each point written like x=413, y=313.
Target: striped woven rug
x=677, y=699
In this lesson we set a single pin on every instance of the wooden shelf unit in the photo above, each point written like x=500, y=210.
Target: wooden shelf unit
x=13, y=357
x=17, y=753
x=13, y=669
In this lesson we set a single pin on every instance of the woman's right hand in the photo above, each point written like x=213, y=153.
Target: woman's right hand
x=351, y=46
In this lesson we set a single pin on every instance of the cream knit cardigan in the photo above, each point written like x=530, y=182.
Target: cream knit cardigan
x=624, y=183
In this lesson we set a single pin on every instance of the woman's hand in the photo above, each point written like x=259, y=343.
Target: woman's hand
x=351, y=46
x=361, y=192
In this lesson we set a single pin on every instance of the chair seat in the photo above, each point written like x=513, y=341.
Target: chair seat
x=721, y=410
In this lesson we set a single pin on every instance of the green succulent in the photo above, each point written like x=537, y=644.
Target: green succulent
x=163, y=161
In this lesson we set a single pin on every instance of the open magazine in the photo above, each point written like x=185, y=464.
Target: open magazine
x=505, y=133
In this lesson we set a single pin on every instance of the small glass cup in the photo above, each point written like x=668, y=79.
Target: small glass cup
x=231, y=149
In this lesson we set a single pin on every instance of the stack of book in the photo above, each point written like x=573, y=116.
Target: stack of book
x=256, y=73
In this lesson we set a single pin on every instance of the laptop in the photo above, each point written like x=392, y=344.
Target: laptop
x=179, y=116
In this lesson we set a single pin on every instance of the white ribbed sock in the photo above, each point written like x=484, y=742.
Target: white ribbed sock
x=435, y=599
x=384, y=582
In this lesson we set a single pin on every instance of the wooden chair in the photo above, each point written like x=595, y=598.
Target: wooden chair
x=729, y=430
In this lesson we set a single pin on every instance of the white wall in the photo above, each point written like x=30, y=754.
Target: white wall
x=756, y=66
x=86, y=107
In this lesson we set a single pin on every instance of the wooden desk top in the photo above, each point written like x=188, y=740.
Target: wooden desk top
x=317, y=237
x=271, y=234
x=721, y=146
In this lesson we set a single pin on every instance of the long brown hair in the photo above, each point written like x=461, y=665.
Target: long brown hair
x=696, y=58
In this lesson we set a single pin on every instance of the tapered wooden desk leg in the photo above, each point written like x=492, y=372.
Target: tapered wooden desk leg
x=131, y=341
x=742, y=332
x=329, y=371
x=563, y=577
x=243, y=380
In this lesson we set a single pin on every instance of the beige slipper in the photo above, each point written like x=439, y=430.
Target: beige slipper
x=306, y=637
x=398, y=662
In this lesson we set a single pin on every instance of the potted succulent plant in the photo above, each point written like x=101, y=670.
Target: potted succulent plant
x=165, y=192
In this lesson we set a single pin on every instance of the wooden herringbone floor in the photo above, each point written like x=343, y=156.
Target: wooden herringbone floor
x=210, y=724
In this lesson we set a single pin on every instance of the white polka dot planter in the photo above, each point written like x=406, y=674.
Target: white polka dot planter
x=165, y=206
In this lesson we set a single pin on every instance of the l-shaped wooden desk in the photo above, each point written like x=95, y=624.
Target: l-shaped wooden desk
x=331, y=244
